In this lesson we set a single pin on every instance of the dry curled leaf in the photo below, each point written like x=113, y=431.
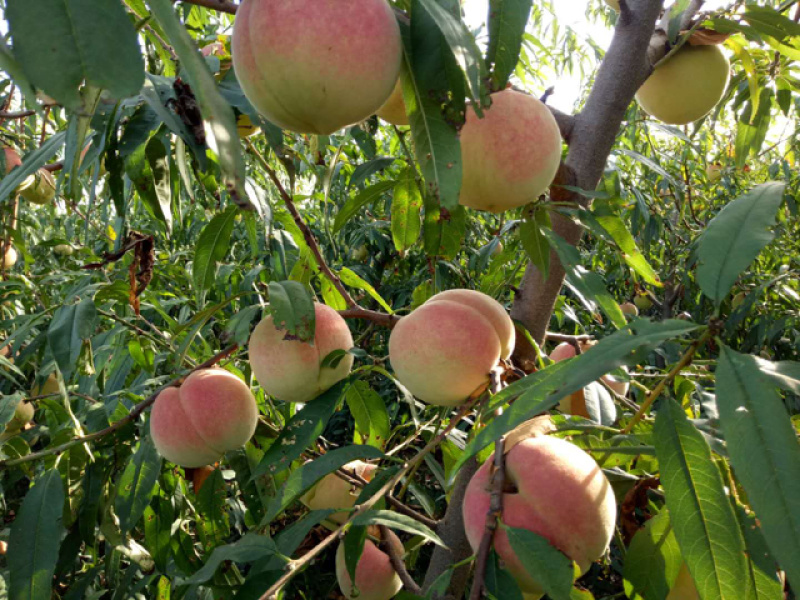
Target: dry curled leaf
x=707, y=37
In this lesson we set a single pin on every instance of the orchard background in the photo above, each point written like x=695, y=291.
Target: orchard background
x=152, y=217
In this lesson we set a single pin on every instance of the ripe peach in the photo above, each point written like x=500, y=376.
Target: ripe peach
x=684, y=587
x=291, y=370
x=445, y=349
x=394, y=109
x=559, y=493
x=12, y=159
x=511, y=155
x=376, y=579
x=43, y=189
x=316, y=66
x=334, y=492
x=10, y=257
x=687, y=86
x=211, y=413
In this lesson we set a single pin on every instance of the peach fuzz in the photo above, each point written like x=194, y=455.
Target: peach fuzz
x=376, y=579
x=560, y=494
x=510, y=156
x=443, y=351
x=213, y=412
x=316, y=66
x=292, y=370
x=394, y=109
x=334, y=492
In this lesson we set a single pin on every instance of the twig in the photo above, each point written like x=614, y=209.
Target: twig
x=685, y=360
x=571, y=339
x=492, y=517
x=566, y=122
x=130, y=417
x=307, y=233
x=294, y=567
x=219, y=5
x=370, y=315
x=396, y=557
x=17, y=115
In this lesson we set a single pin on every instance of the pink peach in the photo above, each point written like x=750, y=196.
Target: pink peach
x=376, y=579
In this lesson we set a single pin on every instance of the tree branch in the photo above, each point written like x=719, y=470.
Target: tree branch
x=396, y=558
x=222, y=6
x=492, y=517
x=565, y=123
x=379, y=318
x=129, y=418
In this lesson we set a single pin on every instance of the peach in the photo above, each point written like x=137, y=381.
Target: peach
x=63, y=250
x=687, y=86
x=334, y=492
x=376, y=579
x=49, y=387
x=394, y=109
x=714, y=172
x=316, y=66
x=9, y=257
x=213, y=412
x=23, y=414
x=292, y=370
x=444, y=350
x=43, y=189
x=684, y=587
x=629, y=309
x=643, y=302
x=12, y=159
x=559, y=492
x=510, y=156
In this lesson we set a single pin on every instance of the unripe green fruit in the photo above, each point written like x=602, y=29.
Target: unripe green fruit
x=394, y=109
x=510, y=156
x=63, y=250
x=498, y=249
x=643, y=302
x=334, y=492
x=445, y=350
x=292, y=370
x=714, y=172
x=687, y=86
x=376, y=579
x=43, y=190
x=212, y=412
x=316, y=66
x=360, y=253
x=559, y=492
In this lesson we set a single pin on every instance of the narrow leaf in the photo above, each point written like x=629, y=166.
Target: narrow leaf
x=293, y=309
x=212, y=246
x=136, y=484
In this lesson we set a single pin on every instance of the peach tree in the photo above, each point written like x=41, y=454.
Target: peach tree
x=330, y=299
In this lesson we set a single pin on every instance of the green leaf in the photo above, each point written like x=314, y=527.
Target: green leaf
x=300, y=432
x=432, y=73
x=406, y=208
x=753, y=126
x=215, y=109
x=552, y=569
x=212, y=246
x=654, y=166
x=395, y=520
x=148, y=168
x=251, y=548
x=60, y=47
x=71, y=325
x=444, y=231
x=352, y=279
x=293, y=310
x=653, y=560
x=213, y=526
x=353, y=205
x=764, y=452
x=616, y=228
x=534, y=241
x=590, y=284
x=310, y=473
x=735, y=237
x=461, y=42
x=701, y=513
x=784, y=374
x=135, y=485
x=507, y=21
x=542, y=390
x=35, y=539
x=763, y=580
x=369, y=411
x=32, y=163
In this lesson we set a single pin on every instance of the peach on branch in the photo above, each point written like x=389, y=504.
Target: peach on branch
x=629, y=309
x=687, y=86
x=714, y=172
x=316, y=66
x=49, y=387
x=376, y=578
x=9, y=257
x=643, y=302
x=556, y=491
x=334, y=492
x=511, y=155
x=292, y=370
x=394, y=109
x=42, y=190
x=12, y=159
x=211, y=413
x=63, y=250
x=445, y=350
